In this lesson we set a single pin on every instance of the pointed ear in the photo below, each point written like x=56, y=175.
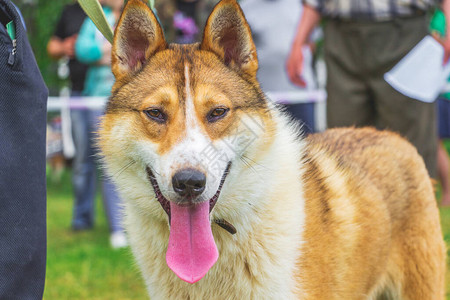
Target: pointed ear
x=137, y=37
x=228, y=35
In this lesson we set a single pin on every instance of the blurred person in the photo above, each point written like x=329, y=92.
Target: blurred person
x=362, y=43
x=272, y=35
x=165, y=10
x=442, y=155
x=438, y=30
x=182, y=19
x=179, y=18
x=23, y=112
x=62, y=44
x=93, y=49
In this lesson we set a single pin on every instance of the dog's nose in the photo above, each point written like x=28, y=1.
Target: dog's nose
x=189, y=183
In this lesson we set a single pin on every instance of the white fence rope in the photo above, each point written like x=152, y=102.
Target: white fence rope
x=98, y=103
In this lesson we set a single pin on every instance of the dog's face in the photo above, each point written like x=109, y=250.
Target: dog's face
x=180, y=119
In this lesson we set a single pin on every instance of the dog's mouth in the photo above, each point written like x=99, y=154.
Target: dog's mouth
x=165, y=204
x=191, y=251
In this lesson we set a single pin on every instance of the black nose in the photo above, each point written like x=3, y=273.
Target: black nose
x=189, y=183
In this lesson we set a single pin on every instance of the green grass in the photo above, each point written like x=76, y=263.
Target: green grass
x=445, y=221
x=83, y=266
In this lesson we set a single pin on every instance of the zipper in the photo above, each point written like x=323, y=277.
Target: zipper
x=12, y=54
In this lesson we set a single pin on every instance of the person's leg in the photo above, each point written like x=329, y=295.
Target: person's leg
x=387, y=43
x=411, y=118
x=112, y=203
x=443, y=169
x=84, y=174
x=443, y=163
x=114, y=213
x=348, y=100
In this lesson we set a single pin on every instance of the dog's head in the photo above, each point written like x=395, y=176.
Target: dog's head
x=180, y=119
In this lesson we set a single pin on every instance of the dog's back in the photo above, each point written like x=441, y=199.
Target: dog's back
x=372, y=225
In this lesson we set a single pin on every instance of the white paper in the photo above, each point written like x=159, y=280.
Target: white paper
x=421, y=74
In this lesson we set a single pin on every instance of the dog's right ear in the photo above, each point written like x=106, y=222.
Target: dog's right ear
x=137, y=37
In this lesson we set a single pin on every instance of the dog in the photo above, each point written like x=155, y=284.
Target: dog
x=225, y=200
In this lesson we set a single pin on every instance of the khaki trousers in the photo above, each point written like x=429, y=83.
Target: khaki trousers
x=357, y=55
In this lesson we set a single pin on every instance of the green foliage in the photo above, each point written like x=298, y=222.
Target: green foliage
x=41, y=17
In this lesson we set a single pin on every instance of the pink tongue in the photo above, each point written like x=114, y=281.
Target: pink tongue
x=192, y=250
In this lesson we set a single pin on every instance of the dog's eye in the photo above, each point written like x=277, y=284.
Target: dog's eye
x=217, y=114
x=156, y=115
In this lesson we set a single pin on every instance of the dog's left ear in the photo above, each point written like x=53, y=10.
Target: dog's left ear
x=228, y=35
x=137, y=37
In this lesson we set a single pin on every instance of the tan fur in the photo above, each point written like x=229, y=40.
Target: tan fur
x=346, y=214
x=217, y=35
x=371, y=217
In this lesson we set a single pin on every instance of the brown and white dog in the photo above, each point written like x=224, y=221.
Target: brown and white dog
x=224, y=200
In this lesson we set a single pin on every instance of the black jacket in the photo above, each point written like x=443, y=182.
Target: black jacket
x=23, y=98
